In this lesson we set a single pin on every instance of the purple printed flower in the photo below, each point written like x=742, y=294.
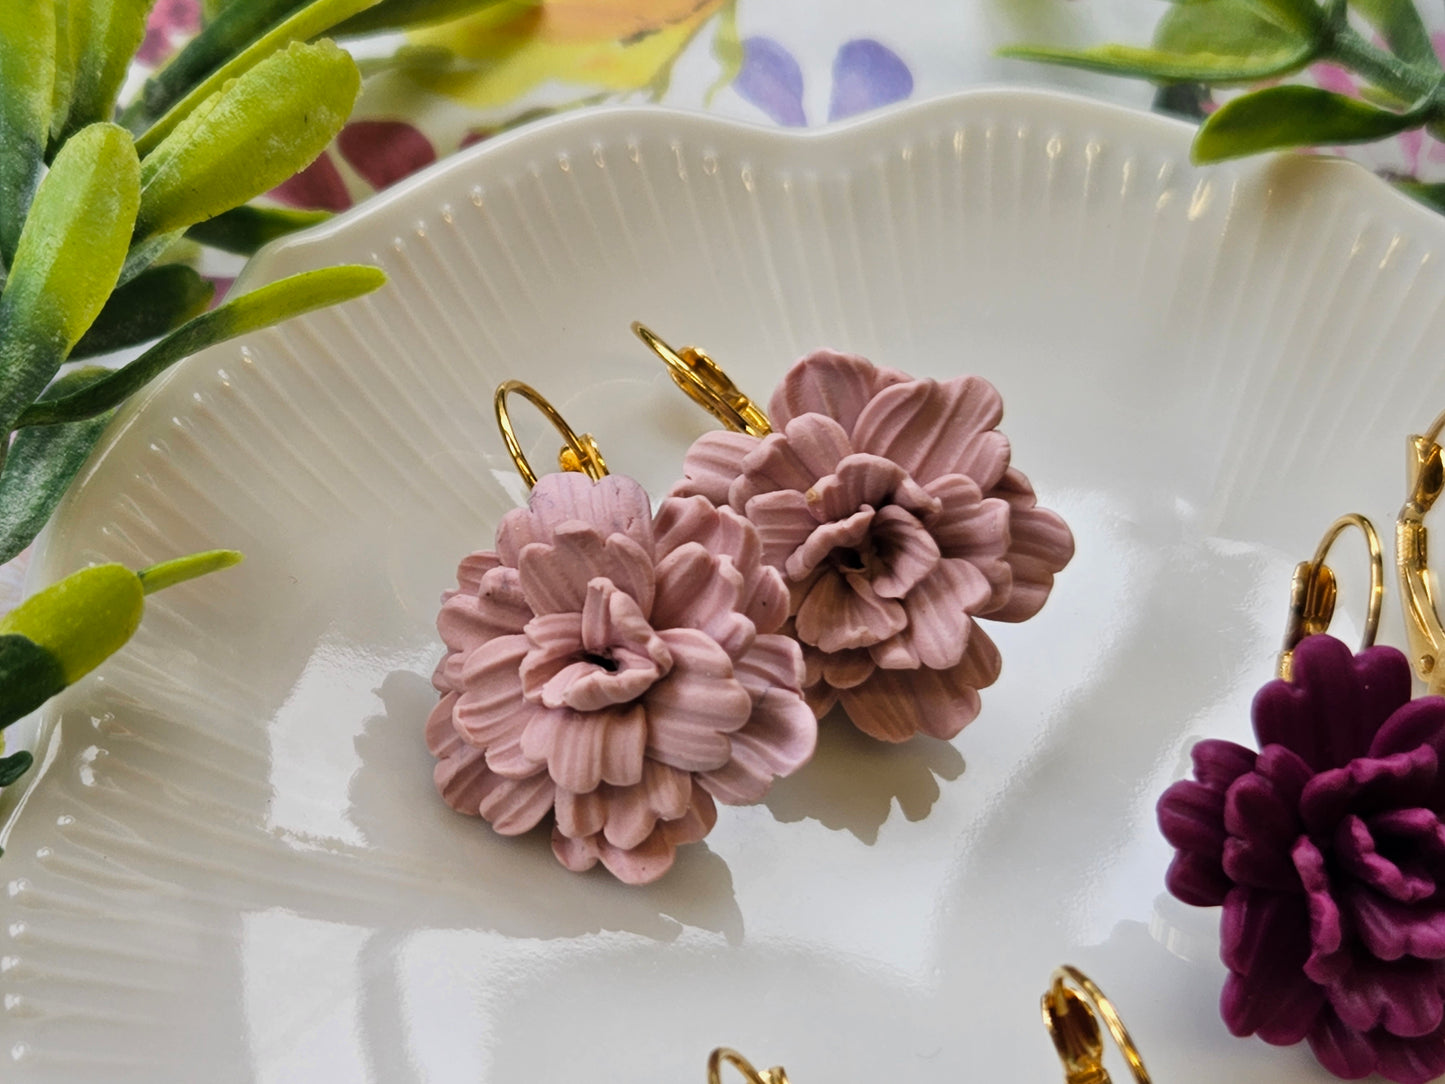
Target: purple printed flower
x=616, y=672
x=866, y=75
x=381, y=152
x=169, y=25
x=1326, y=850
x=889, y=506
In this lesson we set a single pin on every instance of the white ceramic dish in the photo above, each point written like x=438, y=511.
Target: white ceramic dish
x=231, y=865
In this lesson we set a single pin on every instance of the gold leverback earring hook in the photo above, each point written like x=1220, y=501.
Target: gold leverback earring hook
x=1075, y=1029
x=580, y=454
x=722, y=1054
x=703, y=381
x=1423, y=629
x=1313, y=592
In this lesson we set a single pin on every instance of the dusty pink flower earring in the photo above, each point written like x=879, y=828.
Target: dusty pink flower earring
x=613, y=670
x=890, y=507
x=1326, y=848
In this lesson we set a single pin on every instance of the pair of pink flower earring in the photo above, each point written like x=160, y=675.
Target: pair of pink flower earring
x=621, y=670
x=1325, y=849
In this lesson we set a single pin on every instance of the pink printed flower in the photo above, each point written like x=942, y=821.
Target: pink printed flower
x=616, y=672
x=1326, y=852
x=889, y=505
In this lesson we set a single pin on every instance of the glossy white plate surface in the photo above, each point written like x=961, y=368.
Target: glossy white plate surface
x=232, y=865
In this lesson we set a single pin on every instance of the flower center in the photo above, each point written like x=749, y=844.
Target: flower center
x=601, y=661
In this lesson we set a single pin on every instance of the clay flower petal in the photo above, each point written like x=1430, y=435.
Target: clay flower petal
x=822, y=542
x=762, y=595
x=842, y=612
x=931, y=428
x=616, y=505
x=697, y=590
x=1337, y=703
x=701, y=702
x=867, y=480
x=1040, y=545
x=807, y=449
x=830, y=384
x=893, y=705
x=710, y=466
x=555, y=576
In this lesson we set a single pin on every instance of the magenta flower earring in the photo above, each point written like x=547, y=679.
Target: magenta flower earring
x=613, y=671
x=890, y=507
x=1325, y=848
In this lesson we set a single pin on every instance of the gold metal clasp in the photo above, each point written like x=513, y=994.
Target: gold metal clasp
x=722, y=1055
x=1074, y=1027
x=703, y=381
x=1425, y=477
x=1313, y=592
x=580, y=454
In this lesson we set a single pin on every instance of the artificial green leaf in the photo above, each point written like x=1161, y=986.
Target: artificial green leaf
x=180, y=569
x=1399, y=23
x=42, y=463
x=1224, y=28
x=1157, y=64
x=56, y=637
x=144, y=254
x=1292, y=116
x=248, y=137
x=81, y=620
x=400, y=14
x=250, y=312
x=67, y=57
x=67, y=262
x=29, y=676
x=104, y=35
x=1431, y=195
x=14, y=766
x=245, y=229
x=310, y=22
x=229, y=29
x=1303, y=17
x=145, y=308
x=27, y=77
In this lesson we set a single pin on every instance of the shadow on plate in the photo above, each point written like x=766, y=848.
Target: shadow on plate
x=853, y=780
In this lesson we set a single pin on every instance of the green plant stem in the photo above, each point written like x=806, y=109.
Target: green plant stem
x=1407, y=82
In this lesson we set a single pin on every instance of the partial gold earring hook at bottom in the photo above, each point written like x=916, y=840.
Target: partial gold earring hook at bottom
x=1075, y=1030
x=1313, y=592
x=580, y=454
x=722, y=1054
x=703, y=381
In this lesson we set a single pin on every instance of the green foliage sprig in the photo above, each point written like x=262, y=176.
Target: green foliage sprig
x=94, y=194
x=1230, y=43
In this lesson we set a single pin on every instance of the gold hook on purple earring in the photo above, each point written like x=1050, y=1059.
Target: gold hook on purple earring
x=580, y=453
x=1313, y=592
x=723, y=1055
x=1075, y=1029
x=1423, y=629
x=703, y=381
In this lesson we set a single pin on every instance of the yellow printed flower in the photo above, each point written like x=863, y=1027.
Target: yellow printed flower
x=607, y=45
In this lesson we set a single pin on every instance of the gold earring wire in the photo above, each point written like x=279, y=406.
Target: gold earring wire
x=1075, y=1030
x=1312, y=592
x=703, y=381
x=722, y=1054
x=1423, y=629
x=580, y=454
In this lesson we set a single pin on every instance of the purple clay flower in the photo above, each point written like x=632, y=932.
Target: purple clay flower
x=616, y=672
x=889, y=505
x=1326, y=850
